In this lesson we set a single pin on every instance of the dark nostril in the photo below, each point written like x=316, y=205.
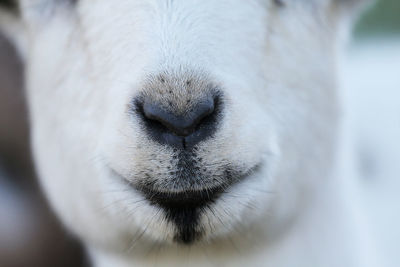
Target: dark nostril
x=183, y=130
x=182, y=125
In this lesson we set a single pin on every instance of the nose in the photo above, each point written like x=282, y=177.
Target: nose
x=180, y=130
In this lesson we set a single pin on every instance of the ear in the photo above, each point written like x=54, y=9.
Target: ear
x=351, y=6
x=345, y=13
x=19, y=18
x=11, y=25
x=36, y=12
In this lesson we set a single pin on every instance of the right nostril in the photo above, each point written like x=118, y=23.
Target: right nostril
x=187, y=129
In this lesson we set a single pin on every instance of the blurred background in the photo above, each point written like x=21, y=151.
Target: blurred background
x=31, y=236
x=371, y=84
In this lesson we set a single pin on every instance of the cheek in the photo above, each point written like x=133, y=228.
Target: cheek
x=250, y=125
x=119, y=141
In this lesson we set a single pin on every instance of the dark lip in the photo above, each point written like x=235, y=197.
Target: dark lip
x=187, y=198
x=184, y=199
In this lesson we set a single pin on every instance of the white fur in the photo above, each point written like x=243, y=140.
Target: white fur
x=277, y=69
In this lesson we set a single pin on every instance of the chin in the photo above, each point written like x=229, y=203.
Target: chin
x=188, y=216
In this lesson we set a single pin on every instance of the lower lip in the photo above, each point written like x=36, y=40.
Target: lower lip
x=186, y=198
x=182, y=199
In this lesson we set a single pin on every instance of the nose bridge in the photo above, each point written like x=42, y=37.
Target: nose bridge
x=178, y=91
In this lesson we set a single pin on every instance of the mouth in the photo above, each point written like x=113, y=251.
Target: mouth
x=184, y=199
x=183, y=209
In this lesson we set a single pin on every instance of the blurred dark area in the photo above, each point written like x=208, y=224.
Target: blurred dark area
x=30, y=235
